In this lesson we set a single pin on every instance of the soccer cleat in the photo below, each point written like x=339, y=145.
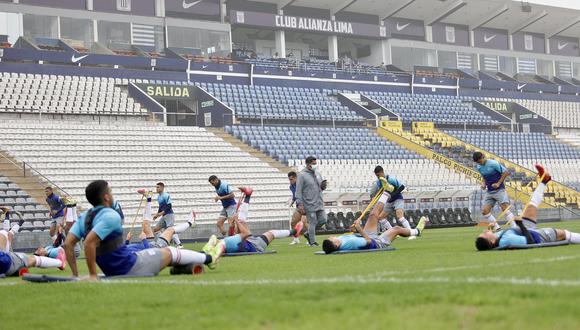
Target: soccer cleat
x=191, y=220
x=295, y=241
x=307, y=236
x=180, y=246
x=542, y=172
x=210, y=244
x=247, y=191
x=314, y=244
x=299, y=226
x=142, y=191
x=421, y=225
x=62, y=257
x=218, y=250
x=412, y=238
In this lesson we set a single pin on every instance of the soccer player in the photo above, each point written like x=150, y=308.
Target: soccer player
x=368, y=237
x=147, y=235
x=56, y=207
x=298, y=214
x=309, y=188
x=101, y=229
x=527, y=233
x=245, y=241
x=165, y=211
x=226, y=195
x=494, y=175
x=395, y=203
x=11, y=263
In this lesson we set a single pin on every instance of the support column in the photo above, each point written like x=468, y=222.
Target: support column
x=280, y=44
x=333, y=48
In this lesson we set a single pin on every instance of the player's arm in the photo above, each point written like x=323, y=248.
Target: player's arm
x=228, y=196
x=359, y=229
x=69, y=249
x=525, y=231
x=91, y=243
x=299, y=187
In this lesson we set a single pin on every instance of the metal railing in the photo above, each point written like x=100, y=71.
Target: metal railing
x=32, y=172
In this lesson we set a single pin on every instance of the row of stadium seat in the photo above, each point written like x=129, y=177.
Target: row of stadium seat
x=280, y=103
x=36, y=93
x=133, y=156
x=436, y=108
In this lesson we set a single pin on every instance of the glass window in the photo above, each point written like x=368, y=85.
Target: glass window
x=150, y=36
x=207, y=41
x=576, y=66
x=508, y=65
x=527, y=65
x=40, y=26
x=78, y=33
x=545, y=68
x=407, y=58
x=467, y=62
x=564, y=69
x=114, y=35
x=447, y=59
x=489, y=63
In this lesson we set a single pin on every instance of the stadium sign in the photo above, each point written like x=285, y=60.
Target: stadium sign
x=316, y=25
x=313, y=24
x=167, y=91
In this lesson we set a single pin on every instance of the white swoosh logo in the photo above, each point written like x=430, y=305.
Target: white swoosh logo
x=76, y=59
x=487, y=38
x=188, y=5
x=521, y=86
x=204, y=66
x=401, y=27
x=266, y=72
x=562, y=45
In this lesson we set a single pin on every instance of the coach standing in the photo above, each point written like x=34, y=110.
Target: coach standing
x=309, y=187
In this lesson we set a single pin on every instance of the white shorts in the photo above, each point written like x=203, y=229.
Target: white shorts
x=71, y=214
x=385, y=196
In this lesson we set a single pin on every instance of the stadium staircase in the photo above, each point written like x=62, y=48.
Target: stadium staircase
x=456, y=155
x=219, y=132
x=23, y=176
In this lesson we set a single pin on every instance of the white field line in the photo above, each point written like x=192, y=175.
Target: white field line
x=380, y=277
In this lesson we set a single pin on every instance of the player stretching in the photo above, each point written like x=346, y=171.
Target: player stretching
x=101, y=229
x=165, y=211
x=526, y=233
x=494, y=175
x=147, y=236
x=298, y=214
x=225, y=194
x=368, y=237
x=245, y=241
x=395, y=202
x=11, y=263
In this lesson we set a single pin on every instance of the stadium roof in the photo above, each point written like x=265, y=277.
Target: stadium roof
x=561, y=17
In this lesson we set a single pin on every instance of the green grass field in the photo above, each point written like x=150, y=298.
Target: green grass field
x=438, y=281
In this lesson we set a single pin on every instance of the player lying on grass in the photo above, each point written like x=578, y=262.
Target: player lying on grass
x=245, y=241
x=11, y=263
x=368, y=238
x=147, y=236
x=101, y=229
x=526, y=233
